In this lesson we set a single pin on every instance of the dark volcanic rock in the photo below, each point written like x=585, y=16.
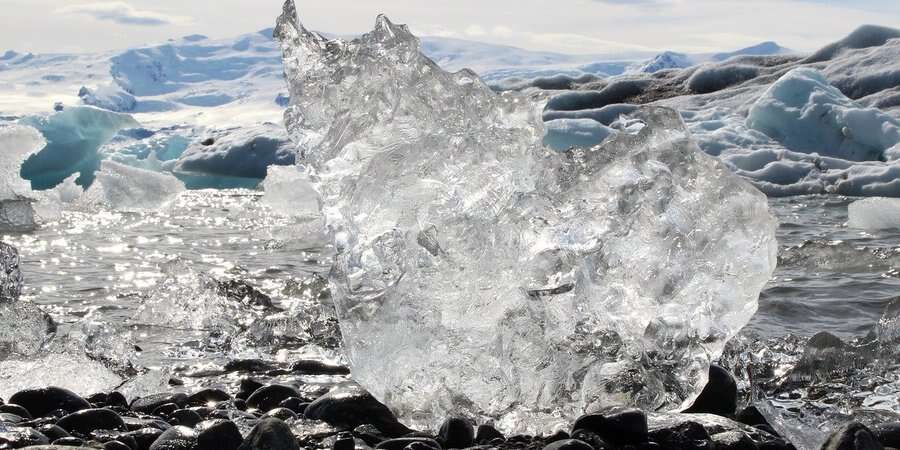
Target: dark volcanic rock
x=185, y=417
x=720, y=396
x=85, y=421
x=115, y=445
x=294, y=404
x=281, y=413
x=145, y=437
x=208, y=397
x=733, y=440
x=11, y=408
x=268, y=397
x=22, y=437
x=569, y=444
x=615, y=425
x=348, y=405
x=40, y=402
x=68, y=442
x=176, y=438
x=751, y=416
x=683, y=436
x=218, y=435
x=313, y=367
x=401, y=443
x=247, y=388
x=149, y=403
x=487, y=433
x=270, y=434
x=249, y=365
x=456, y=432
x=53, y=431
x=888, y=434
x=852, y=436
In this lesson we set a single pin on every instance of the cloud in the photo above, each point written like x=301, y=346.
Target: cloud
x=122, y=13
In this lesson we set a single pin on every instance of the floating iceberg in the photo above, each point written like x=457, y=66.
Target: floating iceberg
x=73, y=137
x=875, y=213
x=478, y=273
x=17, y=143
x=123, y=187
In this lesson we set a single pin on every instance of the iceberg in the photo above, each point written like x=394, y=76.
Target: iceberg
x=875, y=213
x=478, y=273
x=73, y=137
x=16, y=144
x=124, y=187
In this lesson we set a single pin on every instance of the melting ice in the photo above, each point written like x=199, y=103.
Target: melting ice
x=479, y=273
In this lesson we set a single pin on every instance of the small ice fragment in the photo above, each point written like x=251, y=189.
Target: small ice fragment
x=875, y=213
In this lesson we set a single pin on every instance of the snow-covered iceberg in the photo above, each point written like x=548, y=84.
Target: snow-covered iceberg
x=479, y=273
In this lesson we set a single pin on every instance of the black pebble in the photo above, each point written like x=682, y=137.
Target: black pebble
x=344, y=441
x=558, y=436
x=281, y=413
x=456, y=432
x=116, y=445
x=185, y=417
x=568, y=444
x=591, y=438
x=268, y=397
x=218, y=435
x=40, y=402
x=888, y=434
x=313, y=367
x=369, y=434
x=852, y=436
x=22, y=437
x=348, y=405
x=69, y=442
x=486, y=434
x=149, y=403
x=12, y=408
x=270, y=434
x=751, y=416
x=165, y=410
x=53, y=431
x=88, y=420
x=208, y=397
x=294, y=404
x=248, y=387
x=145, y=437
x=719, y=396
x=617, y=425
x=175, y=438
x=401, y=443
x=683, y=436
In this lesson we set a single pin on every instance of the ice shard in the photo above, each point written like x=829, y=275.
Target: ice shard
x=479, y=273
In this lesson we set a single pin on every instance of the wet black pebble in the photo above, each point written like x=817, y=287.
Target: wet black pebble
x=249, y=365
x=487, y=434
x=719, y=396
x=294, y=404
x=270, y=434
x=591, y=438
x=116, y=445
x=348, y=405
x=20, y=411
x=208, y=397
x=684, y=436
x=456, y=432
x=751, y=416
x=165, y=410
x=401, y=443
x=568, y=444
x=53, y=432
x=149, y=403
x=344, y=441
x=852, y=436
x=22, y=437
x=40, y=402
x=369, y=434
x=145, y=437
x=616, y=425
x=313, y=367
x=268, y=397
x=176, y=438
x=69, y=442
x=733, y=440
x=218, y=434
x=185, y=417
x=281, y=413
x=247, y=388
x=888, y=434
x=88, y=420
x=8, y=418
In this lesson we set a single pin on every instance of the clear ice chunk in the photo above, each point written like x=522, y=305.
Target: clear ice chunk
x=478, y=273
x=10, y=275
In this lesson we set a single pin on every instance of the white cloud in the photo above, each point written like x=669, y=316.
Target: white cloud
x=122, y=13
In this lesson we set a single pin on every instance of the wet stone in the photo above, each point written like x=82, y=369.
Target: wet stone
x=719, y=396
x=53, y=432
x=852, y=436
x=208, y=397
x=294, y=404
x=248, y=387
x=185, y=417
x=22, y=437
x=218, y=435
x=888, y=434
x=10, y=418
x=88, y=420
x=281, y=413
x=401, y=443
x=314, y=367
x=568, y=444
x=487, y=433
x=733, y=440
x=145, y=437
x=349, y=406
x=175, y=438
x=683, y=436
x=69, y=442
x=751, y=416
x=149, y=403
x=40, y=402
x=616, y=425
x=456, y=432
x=270, y=434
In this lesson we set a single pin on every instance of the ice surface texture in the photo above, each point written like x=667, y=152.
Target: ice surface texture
x=10, y=275
x=479, y=273
x=875, y=213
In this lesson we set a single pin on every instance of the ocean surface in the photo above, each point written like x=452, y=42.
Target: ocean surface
x=150, y=276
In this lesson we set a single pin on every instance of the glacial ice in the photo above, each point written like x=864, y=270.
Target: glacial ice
x=123, y=187
x=563, y=134
x=73, y=137
x=288, y=192
x=10, y=275
x=807, y=114
x=875, y=213
x=478, y=273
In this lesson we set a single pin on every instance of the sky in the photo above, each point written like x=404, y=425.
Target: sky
x=566, y=26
